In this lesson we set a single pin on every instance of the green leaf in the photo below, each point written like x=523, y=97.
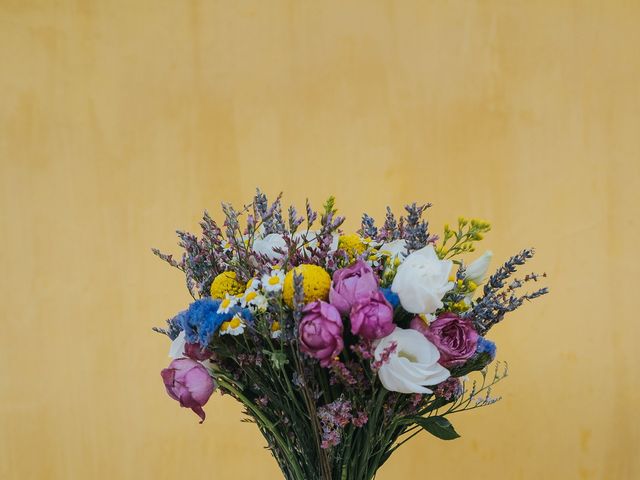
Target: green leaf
x=437, y=426
x=279, y=359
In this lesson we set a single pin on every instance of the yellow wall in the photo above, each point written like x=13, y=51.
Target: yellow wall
x=120, y=121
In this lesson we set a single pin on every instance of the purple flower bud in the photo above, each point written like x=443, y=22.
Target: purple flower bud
x=321, y=331
x=372, y=316
x=188, y=382
x=417, y=323
x=455, y=338
x=196, y=352
x=351, y=283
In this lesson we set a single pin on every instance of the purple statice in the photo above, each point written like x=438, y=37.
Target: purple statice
x=202, y=259
x=249, y=359
x=416, y=399
x=450, y=389
x=363, y=349
x=340, y=374
x=333, y=418
x=360, y=419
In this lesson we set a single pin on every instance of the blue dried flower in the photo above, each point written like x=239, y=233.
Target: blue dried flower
x=486, y=346
x=391, y=297
x=201, y=320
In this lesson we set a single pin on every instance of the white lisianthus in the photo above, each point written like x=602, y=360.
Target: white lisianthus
x=477, y=269
x=176, y=350
x=268, y=243
x=422, y=280
x=394, y=249
x=412, y=366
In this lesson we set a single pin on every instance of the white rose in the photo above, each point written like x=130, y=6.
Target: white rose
x=176, y=350
x=477, y=269
x=422, y=280
x=266, y=245
x=413, y=365
x=395, y=249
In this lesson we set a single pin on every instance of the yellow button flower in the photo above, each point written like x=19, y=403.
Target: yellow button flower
x=352, y=244
x=316, y=283
x=225, y=283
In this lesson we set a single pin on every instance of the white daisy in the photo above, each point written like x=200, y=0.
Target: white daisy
x=234, y=327
x=226, y=246
x=227, y=303
x=253, y=299
x=253, y=285
x=276, y=331
x=273, y=282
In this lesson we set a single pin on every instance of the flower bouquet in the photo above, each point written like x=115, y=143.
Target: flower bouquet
x=341, y=347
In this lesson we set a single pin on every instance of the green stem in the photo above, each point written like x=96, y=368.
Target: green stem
x=267, y=424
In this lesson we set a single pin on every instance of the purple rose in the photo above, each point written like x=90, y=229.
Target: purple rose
x=455, y=338
x=321, y=331
x=188, y=382
x=351, y=283
x=372, y=316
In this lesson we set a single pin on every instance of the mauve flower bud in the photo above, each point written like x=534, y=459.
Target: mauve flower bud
x=195, y=351
x=321, y=331
x=372, y=316
x=351, y=283
x=188, y=382
x=455, y=338
x=421, y=324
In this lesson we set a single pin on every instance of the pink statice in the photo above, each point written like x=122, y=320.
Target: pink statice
x=384, y=357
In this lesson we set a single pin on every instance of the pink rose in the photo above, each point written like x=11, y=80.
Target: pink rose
x=321, y=331
x=351, y=283
x=455, y=338
x=372, y=316
x=188, y=382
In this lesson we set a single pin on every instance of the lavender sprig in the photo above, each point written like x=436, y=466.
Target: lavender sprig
x=294, y=220
x=496, y=303
x=416, y=230
x=390, y=231
x=368, y=227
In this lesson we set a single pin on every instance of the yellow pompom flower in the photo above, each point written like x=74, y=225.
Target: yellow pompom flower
x=225, y=283
x=316, y=283
x=353, y=244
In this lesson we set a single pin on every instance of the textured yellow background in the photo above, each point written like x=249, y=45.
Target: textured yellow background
x=120, y=121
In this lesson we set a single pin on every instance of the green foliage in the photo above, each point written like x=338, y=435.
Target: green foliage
x=329, y=206
x=437, y=426
x=461, y=240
